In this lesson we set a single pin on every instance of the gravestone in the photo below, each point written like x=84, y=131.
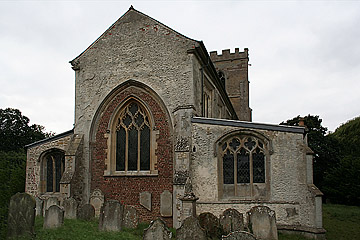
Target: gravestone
x=130, y=217
x=49, y=202
x=54, y=217
x=262, y=223
x=111, y=216
x=97, y=200
x=86, y=212
x=239, y=235
x=145, y=200
x=211, y=224
x=166, y=204
x=39, y=206
x=157, y=230
x=231, y=220
x=21, y=218
x=190, y=230
x=70, y=208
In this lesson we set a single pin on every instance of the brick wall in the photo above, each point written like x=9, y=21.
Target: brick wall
x=126, y=189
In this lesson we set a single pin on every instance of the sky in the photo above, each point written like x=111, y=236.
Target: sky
x=304, y=55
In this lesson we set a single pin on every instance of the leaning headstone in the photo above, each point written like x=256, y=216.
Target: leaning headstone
x=191, y=230
x=262, y=223
x=111, y=216
x=97, y=200
x=54, y=217
x=166, y=204
x=86, y=212
x=49, y=202
x=39, y=206
x=145, y=200
x=157, y=230
x=130, y=217
x=70, y=208
x=21, y=216
x=239, y=235
x=231, y=220
x=211, y=224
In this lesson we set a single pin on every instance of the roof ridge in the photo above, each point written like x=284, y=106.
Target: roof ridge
x=119, y=19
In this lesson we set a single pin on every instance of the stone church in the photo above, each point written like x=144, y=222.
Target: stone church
x=165, y=127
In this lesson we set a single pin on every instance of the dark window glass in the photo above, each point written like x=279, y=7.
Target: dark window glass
x=133, y=139
x=120, y=149
x=58, y=169
x=228, y=167
x=234, y=144
x=49, y=174
x=145, y=148
x=133, y=149
x=258, y=166
x=243, y=165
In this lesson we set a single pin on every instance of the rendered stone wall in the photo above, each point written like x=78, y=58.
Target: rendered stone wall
x=289, y=194
x=33, y=164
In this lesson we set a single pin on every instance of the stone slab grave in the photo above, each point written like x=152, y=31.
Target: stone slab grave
x=130, y=217
x=262, y=223
x=111, y=216
x=191, y=230
x=49, y=202
x=54, y=217
x=166, y=204
x=239, y=235
x=21, y=218
x=70, y=207
x=86, y=212
x=157, y=230
x=231, y=220
x=39, y=206
x=97, y=200
x=211, y=224
x=145, y=200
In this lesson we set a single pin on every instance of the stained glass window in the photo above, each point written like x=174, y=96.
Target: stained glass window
x=133, y=133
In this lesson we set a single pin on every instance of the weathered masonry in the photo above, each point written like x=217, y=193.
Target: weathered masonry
x=165, y=127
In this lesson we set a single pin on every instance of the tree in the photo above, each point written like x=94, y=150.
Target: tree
x=342, y=181
x=15, y=131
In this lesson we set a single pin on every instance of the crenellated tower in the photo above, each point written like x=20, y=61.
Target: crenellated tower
x=233, y=72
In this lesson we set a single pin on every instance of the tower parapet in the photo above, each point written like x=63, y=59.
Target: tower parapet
x=233, y=72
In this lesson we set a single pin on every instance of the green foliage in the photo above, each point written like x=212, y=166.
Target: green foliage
x=342, y=181
x=15, y=133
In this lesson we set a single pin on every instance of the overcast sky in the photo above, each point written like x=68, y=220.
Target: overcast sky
x=304, y=55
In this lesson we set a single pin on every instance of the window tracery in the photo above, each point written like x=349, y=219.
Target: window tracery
x=243, y=165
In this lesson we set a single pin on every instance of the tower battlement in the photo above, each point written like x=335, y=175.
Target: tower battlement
x=226, y=55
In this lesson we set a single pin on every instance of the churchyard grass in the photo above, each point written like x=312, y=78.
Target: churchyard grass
x=341, y=223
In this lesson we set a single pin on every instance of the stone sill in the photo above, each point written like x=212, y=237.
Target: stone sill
x=153, y=173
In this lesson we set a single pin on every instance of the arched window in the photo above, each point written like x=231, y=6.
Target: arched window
x=131, y=140
x=53, y=165
x=243, y=166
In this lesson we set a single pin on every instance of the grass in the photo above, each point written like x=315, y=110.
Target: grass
x=341, y=223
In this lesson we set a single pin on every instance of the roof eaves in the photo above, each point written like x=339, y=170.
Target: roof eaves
x=58, y=136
